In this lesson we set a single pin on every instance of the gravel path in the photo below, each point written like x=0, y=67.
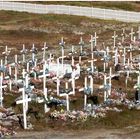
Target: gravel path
x=87, y=134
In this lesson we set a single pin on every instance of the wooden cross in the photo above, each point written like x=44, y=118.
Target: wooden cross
x=81, y=43
x=62, y=62
x=34, y=51
x=95, y=38
x=107, y=86
x=23, y=51
x=92, y=62
x=44, y=50
x=72, y=80
x=72, y=55
x=6, y=53
x=124, y=53
x=44, y=77
x=24, y=102
x=132, y=33
x=62, y=43
x=123, y=35
x=114, y=37
x=87, y=90
x=66, y=94
x=57, y=77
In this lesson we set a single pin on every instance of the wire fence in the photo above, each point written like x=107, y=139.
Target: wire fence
x=107, y=14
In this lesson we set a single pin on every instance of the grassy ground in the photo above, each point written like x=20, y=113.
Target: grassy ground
x=129, y=6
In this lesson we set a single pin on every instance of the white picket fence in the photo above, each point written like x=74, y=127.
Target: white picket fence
x=120, y=15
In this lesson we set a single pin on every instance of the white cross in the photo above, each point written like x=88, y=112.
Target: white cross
x=114, y=37
x=16, y=67
x=132, y=33
x=1, y=91
x=57, y=77
x=123, y=35
x=6, y=53
x=72, y=80
x=81, y=43
x=33, y=50
x=85, y=87
x=108, y=91
x=62, y=57
x=124, y=53
x=44, y=77
x=66, y=95
x=44, y=51
x=95, y=38
x=62, y=43
x=24, y=102
x=92, y=62
x=23, y=51
x=104, y=60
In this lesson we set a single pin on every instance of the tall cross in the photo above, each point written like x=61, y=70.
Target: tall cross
x=24, y=102
x=114, y=38
x=92, y=62
x=23, y=51
x=87, y=90
x=81, y=43
x=44, y=76
x=34, y=51
x=93, y=40
x=6, y=53
x=16, y=65
x=123, y=35
x=72, y=80
x=66, y=94
x=57, y=77
x=44, y=50
x=62, y=58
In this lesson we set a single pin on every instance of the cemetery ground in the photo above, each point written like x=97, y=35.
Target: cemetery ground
x=23, y=28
